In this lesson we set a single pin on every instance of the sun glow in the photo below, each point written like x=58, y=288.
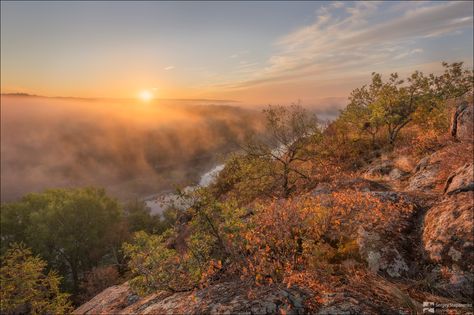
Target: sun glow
x=145, y=95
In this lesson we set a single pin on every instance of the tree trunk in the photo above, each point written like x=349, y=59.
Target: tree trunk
x=286, y=189
x=75, y=279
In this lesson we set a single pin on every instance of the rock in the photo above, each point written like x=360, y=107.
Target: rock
x=396, y=174
x=461, y=180
x=452, y=282
x=381, y=255
x=222, y=298
x=380, y=169
x=357, y=184
x=448, y=232
x=431, y=173
x=109, y=301
x=462, y=124
x=340, y=304
x=425, y=177
x=466, y=124
x=389, y=245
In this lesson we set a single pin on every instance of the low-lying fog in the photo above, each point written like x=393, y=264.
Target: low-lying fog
x=131, y=148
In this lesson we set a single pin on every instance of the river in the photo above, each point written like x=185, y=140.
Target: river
x=160, y=201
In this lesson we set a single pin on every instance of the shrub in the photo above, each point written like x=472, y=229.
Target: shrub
x=26, y=288
x=154, y=266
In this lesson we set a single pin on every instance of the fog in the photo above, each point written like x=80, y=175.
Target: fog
x=131, y=148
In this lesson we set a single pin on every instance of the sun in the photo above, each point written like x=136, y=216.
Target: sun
x=145, y=95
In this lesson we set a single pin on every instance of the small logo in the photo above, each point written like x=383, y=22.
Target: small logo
x=428, y=307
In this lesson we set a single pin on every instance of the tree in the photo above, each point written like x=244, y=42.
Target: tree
x=73, y=229
x=290, y=131
x=456, y=83
x=26, y=288
x=390, y=104
x=359, y=111
x=139, y=217
x=154, y=266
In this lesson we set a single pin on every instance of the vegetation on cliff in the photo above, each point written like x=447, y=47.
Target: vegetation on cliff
x=289, y=210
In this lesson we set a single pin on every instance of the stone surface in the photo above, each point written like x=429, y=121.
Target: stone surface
x=381, y=254
x=397, y=174
x=357, y=184
x=380, y=169
x=425, y=177
x=448, y=233
x=109, y=301
x=461, y=180
x=222, y=298
x=466, y=124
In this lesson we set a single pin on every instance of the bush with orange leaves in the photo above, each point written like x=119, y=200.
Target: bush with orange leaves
x=312, y=233
x=288, y=241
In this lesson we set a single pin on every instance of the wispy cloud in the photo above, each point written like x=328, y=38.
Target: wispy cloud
x=408, y=53
x=352, y=37
x=169, y=68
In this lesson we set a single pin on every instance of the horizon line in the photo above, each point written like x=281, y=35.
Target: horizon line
x=22, y=94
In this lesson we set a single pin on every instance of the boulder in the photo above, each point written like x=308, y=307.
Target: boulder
x=448, y=232
x=397, y=174
x=357, y=184
x=462, y=124
x=461, y=180
x=222, y=298
x=379, y=169
x=109, y=301
x=452, y=282
x=381, y=255
x=425, y=177
x=386, y=245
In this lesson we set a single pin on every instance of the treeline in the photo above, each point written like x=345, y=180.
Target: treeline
x=77, y=233
x=251, y=223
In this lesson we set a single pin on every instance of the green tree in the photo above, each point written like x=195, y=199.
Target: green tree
x=73, y=229
x=139, y=217
x=390, y=104
x=454, y=83
x=154, y=266
x=359, y=113
x=26, y=288
x=291, y=130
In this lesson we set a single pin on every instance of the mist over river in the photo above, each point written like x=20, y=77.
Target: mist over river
x=133, y=149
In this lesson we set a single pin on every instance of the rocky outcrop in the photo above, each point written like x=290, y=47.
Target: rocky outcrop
x=425, y=177
x=386, y=170
x=380, y=254
x=380, y=169
x=423, y=232
x=356, y=184
x=222, y=298
x=448, y=233
x=110, y=301
x=387, y=245
x=461, y=180
x=462, y=123
x=448, y=239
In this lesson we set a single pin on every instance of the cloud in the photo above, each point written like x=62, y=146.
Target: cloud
x=408, y=53
x=352, y=38
x=169, y=68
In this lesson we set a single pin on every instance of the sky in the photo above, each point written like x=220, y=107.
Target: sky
x=252, y=52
